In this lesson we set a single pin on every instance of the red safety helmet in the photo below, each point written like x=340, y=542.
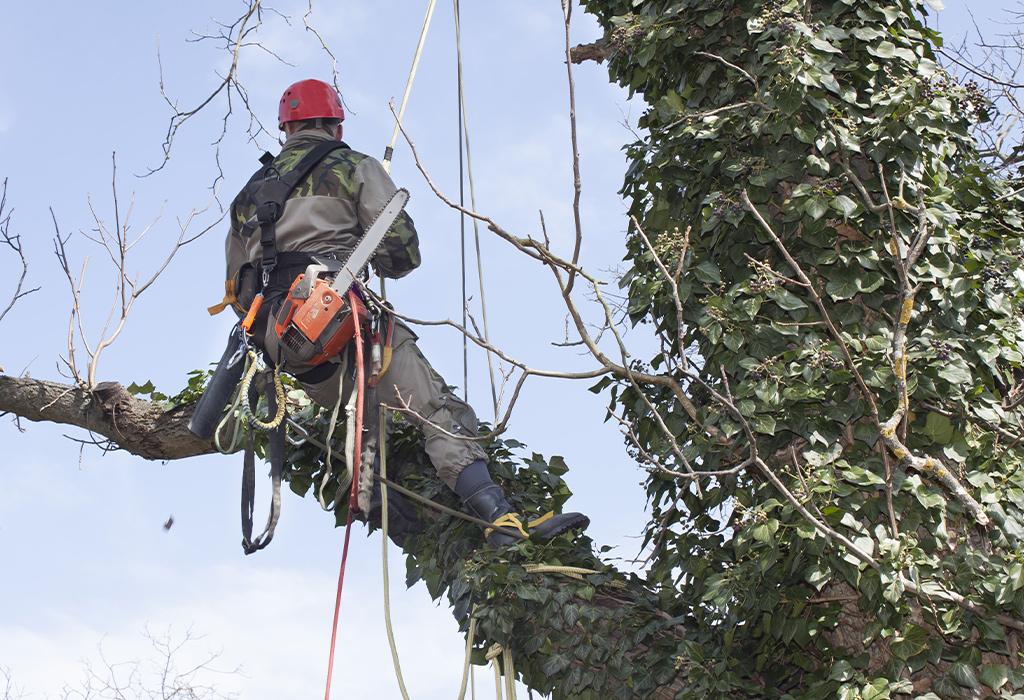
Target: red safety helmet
x=309, y=99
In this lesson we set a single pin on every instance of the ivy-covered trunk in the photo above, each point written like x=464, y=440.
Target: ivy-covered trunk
x=837, y=277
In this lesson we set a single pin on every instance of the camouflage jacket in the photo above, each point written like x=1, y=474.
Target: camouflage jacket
x=328, y=211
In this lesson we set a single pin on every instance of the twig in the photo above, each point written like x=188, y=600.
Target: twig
x=14, y=243
x=818, y=302
x=576, y=181
x=117, y=244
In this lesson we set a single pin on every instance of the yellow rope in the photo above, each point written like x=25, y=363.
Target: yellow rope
x=510, y=677
x=575, y=572
x=387, y=587
x=278, y=390
x=493, y=652
x=496, y=652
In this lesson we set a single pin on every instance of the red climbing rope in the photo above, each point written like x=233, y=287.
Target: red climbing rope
x=353, y=496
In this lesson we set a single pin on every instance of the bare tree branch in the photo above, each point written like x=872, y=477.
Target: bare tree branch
x=169, y=674
x=116, y=243
x=14, y=243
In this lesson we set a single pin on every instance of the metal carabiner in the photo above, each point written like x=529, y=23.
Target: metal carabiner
x=302, y=431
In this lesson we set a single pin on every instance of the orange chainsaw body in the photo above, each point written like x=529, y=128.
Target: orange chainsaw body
x=316, y=328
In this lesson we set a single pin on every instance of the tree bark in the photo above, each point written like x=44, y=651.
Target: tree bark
x=597, y=51
x=112, y=415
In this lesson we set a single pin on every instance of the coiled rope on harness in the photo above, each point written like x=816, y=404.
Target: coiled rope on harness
x=278, y=394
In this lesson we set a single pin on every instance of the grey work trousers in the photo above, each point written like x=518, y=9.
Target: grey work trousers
x=411, y=384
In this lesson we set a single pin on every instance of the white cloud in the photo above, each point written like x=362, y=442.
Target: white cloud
x=274, y=622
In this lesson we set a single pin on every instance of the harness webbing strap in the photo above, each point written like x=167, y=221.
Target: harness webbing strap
x=275, y=452
x=269, y=194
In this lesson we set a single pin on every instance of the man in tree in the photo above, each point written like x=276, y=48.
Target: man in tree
x=322, y=220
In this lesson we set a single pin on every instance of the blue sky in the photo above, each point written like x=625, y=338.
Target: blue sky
x=81, y=533
x=86, y=559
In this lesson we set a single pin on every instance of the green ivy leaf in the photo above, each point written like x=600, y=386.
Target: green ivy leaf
x=884, y=50
x=877, y=689
x=964, y=675
x=844, y=205
x=786, y=299
x=955, y=372
x=816, y=207
x=555, y=664
x=994, y=676
x=763, y=424
x=913, y=641
x=893, y=591
x=938, y=429
x=146, y=388
x=844, y=286
x=707, y=272
x=765, y=531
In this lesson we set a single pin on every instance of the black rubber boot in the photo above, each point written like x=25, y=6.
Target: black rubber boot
x=485, y=500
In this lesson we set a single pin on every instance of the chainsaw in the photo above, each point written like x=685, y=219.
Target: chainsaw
x=316, y=320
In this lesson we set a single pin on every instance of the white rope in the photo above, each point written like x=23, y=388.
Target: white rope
x=408, y=85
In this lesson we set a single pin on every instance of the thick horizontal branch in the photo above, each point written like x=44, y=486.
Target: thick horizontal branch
x=109, y=413
x=597, y=51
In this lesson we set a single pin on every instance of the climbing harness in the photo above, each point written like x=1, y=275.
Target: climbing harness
x=319, y=316
x=268, y=190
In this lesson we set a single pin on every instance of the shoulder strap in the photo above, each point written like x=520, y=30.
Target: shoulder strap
x=268, y=190
x=309, y=161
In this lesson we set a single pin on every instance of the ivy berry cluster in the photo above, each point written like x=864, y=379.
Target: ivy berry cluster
x=997, y=274
x=773, y=16
x=624, y=38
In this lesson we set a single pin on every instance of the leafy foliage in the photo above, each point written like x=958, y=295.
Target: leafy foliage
x=832, y=122
x=197, y=381
x=573, y=635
